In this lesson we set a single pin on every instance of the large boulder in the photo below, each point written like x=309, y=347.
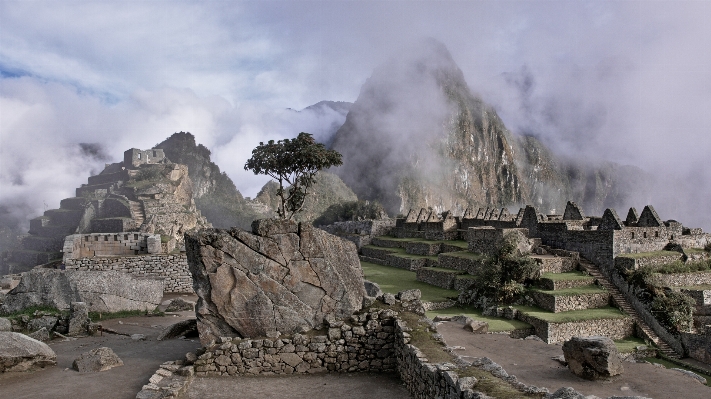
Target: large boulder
x=96, y=360
x=102, y=291
x=19, y=352
x=592, y=358
x=282, y=277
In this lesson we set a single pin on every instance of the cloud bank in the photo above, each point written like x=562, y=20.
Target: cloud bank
x=628, y=82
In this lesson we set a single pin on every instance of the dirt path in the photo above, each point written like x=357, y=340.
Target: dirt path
x=320, y=386
x=140, y=358
x=531, y=363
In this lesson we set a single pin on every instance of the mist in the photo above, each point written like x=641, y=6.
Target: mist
x=626, y=82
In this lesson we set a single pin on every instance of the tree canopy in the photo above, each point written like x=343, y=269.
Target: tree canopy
x=294, y=162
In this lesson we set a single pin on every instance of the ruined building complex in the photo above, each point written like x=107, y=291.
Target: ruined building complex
x=130, y=217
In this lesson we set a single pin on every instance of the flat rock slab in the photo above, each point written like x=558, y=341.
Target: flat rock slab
x=19, y=352
x=102, y=291
x=283, y=277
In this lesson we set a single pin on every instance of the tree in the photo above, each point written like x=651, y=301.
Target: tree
x=295, y=162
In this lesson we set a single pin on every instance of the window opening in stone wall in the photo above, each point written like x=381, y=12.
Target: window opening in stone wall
x=632, y=234
x=135, y=236
x=672, y=236
x=154, y=154
x=139, y=155
x=87, y=238
x=656, y=234
x=106, y=237
x=96, y=238
x=125, y=237
x=645, y=234
x=116, y=238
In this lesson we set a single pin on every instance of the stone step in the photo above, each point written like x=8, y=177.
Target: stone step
x=621, y=301
x=463, y=260
x=443, y=278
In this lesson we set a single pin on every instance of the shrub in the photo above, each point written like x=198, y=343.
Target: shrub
x=674, y=310
x=505, y=274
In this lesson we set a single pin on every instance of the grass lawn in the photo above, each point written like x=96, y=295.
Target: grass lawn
x=572, y=315
x=628, y=345
x=496, y=324
x=394, y=280
x=588, y=289
x=649, y=254
x=567, y=276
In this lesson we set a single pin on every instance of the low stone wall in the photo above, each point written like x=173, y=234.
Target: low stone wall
x=387, y=243
x=555, y=264
x=468, y=265
x=698, y=346
x=423, y=248
x=441, y=235
x=553, y=333
x=173, y=269
x=373, y=252
x=362, y=344
x=110, y=244
x=563, y=303
x=443, y=278
x=681, y=279
x=411, y=264
x=632, y=263
x=360, y=232
x=550, y=284
x=702, y=297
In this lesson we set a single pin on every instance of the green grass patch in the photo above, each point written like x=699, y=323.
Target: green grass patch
x=388, y=249
x=702, y=287
x=421, y=337
x=690, y=251
x=400, y=252
x=394, y=280
x=628, y=345
x=496, y=324
x=99, y=316
x=465, y=255
x=607, y=312
x=396, y=239
x=654, y=254
x=32, y=310
x=567, y=276
x=588, y=289
x=671, y=365
x=493, y=386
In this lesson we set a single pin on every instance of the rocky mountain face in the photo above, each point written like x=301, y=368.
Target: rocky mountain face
x=328, y=190
x=215, y=194
x=417, y=137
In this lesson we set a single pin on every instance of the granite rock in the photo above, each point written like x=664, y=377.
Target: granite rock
x=283, y=277
x=592, y=358
x=19, y=352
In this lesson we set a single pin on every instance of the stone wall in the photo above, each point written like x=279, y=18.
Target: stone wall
x=423, y=248
x=443, y=278
x=658, y=259
x=698, y=346
x=681, y=279
x=173, y=269
x=467, y=264
x=364, y=343
x=411, y=264
x=373, y=341
x=563, y=303
x=360, y=232
x=110, y=244
x=553, y=333
x=550, y=284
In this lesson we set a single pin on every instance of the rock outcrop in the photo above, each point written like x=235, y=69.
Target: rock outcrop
x=592, y=358
x=96, y=360
x=104, y=291
x=19, y=352
x=284, y=277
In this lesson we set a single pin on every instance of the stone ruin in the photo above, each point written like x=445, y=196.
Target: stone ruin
x=281, y=278
x=146, y=193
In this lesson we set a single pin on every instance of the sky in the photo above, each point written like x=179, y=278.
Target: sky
x=621, y=81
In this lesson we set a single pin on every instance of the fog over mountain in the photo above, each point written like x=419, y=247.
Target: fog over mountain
x=594, y=83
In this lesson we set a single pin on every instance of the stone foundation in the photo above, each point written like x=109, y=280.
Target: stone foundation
x=553, y=333
x=173, y=269
x=563, y=303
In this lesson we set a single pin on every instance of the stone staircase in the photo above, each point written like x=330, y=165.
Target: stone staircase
x=621, y=301
x=137, y=214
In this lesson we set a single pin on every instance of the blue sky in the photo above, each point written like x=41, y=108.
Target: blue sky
x=623, y=81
